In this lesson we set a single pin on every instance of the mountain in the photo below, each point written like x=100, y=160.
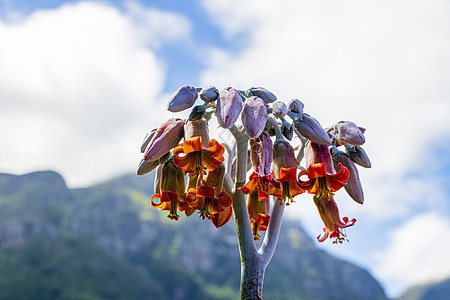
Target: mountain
x=433, y=291
x=107, y=242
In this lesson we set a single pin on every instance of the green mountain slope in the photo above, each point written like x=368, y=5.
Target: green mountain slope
x=107, y=242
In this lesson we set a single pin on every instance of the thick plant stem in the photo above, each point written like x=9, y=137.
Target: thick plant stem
x=253, y=262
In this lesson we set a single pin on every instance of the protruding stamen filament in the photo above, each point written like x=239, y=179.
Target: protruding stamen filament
x=173, y=211
x=205, y=213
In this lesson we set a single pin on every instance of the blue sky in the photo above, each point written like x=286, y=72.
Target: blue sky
x=82, y=82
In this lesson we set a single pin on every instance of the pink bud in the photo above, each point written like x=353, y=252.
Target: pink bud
x=146, y=167
x=254, y=116
x=353, y=186
x=168, y=135
x=295, y=106
x=228, y=107
x=279, y=109
x=358, y=156
x=261, y=154
x=311, y=129
x=348, y=133
x=182, y=99
x=209, y=94
x=262, y=93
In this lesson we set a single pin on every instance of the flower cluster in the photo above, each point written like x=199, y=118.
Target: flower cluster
x=191, y=167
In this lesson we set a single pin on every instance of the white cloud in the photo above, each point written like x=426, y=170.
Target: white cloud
x=418, y=253
x=80, y=86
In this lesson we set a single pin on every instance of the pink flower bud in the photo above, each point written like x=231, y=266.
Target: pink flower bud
x=182, y=99
x=262, y=93
x=147, y=139
x=146, y=167
x=209, y=94
x=229, y=106
x=261, y=154
x=348, y=133
x=311, y=129
x=168, y=135
x=353, y=186
x=279, y=109
x=296, y=106
x=358, y=155
x=254, y=116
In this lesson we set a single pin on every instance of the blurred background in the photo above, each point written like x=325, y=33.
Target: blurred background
x=81, y=82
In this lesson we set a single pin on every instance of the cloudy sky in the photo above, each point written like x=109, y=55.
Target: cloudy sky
x=81, y=82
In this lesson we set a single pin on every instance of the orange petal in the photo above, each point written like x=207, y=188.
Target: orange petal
x=317, y=170
x=287, y=174
x=192, y=144
x=206, y=192
x=222, y=218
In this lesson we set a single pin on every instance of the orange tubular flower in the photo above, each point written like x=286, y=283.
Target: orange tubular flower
x=261, y=154
x=193, y=157
x=258, y=211
x=322, y=180
x=329, y=214
x=171, y=187
x=198, y=151
x=210, y=199
x=285, y=166
x=323, y=183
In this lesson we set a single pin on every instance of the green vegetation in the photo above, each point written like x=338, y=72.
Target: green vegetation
x=107, y=242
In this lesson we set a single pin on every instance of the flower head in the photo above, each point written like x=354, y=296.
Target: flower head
x=198, y=152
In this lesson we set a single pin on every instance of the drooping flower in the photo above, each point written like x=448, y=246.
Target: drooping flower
x=285, y=167
x=323, y=182
x=209, y=197
x=329, y=213
x=198, y=152
x=261, y=154
x=258, y=211
x=170, y=189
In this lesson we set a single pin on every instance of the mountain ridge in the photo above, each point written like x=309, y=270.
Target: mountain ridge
x=174, y=260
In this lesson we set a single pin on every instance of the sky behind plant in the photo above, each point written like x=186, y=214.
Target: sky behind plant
x=81, y=82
